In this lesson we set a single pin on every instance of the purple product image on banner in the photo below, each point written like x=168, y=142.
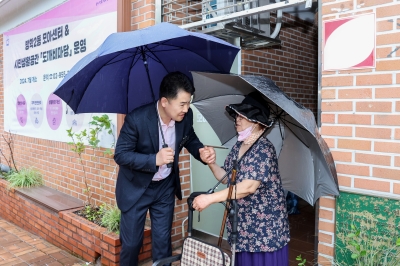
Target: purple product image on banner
x=54, y=111
x=22, y=110
x=36, y=110
x=74, y=121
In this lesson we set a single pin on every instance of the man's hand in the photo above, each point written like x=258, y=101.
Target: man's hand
x=165, y=156
x=207, y=155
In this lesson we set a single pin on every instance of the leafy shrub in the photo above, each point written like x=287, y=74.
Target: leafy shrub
x=111, y=219
x=26, y=177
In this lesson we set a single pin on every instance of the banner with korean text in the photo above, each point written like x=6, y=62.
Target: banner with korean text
x=38, y=54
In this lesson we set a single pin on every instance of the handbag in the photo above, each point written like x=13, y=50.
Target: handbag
x=198, y=253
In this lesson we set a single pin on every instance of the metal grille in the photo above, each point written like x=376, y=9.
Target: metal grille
x=227, y=19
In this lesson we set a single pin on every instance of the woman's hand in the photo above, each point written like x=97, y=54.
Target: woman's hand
x=201, y=202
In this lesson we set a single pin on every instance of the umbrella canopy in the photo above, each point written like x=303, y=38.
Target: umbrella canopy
x=305, y=161
x=113, y=78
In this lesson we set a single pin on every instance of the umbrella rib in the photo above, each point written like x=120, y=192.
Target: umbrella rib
x=295, y=134
x=158, y=59
x=150, y=55
x=86, y=87
x=189, y=51
x=108, y=64
x=137, y=59
x=216, y=96
x=279, y=116
x=129, y=73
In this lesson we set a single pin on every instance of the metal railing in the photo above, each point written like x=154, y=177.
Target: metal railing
x=249, y=19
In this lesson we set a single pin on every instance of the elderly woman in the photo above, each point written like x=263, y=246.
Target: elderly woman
x=263, y=227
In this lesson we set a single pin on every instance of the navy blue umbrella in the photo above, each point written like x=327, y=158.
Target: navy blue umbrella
x=125, y=72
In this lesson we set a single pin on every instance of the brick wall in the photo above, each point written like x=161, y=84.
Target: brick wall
x=361, y=115
x=293, y=65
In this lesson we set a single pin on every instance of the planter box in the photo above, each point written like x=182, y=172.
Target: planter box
x=63, y=228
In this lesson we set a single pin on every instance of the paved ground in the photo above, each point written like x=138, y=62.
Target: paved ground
x=18, y=247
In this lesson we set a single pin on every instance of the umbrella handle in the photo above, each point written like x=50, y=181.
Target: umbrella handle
x=154, y=100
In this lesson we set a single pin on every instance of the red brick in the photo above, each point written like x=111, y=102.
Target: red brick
x=325, y=214
x=354, y=119
x=342, y=156
x=331, y=8
x=373, y=133
x=375, y=79
x=328, y=118
x=327, y=202
x=85, y=228
x=397, y=106
x=373, y=106
x=373, y=159
x=387, y=120
x=387, y=11
x=322, y=237
x=326, y=226
x=355, y=71
x=337, y=81
x=396, y=188
x=336, y=131
x=322, y=261
x=388, y=65
x=325, y=249
x=336, y=106
x=371, y=185
x=397, y=161
x=352, y=169
x=355, y=93
x=111, y=240
x=354, y=144
x=387, y=92
x=389, y=38
x=386, y=173
x=146, y=9
x=389, y=147
x=328, y=93
x=383, y=52
x=146, y=24
x=344, y=181
x=384, y=25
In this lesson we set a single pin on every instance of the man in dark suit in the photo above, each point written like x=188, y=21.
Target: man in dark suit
x=145, y=182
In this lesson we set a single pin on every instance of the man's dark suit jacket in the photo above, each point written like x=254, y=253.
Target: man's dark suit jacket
x=136, y=151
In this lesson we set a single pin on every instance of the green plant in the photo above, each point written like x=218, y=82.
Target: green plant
x=100, y=123
x=26, y=177
x=301, y=261
x=78, y=146
x=91, y=136
x=94, y=213
x=365, y=249
x=111, y=219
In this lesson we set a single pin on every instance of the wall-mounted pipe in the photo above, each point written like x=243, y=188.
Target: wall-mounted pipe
x=4, y=168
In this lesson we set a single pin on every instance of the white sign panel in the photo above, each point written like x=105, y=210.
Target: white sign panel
x=349, y=43
x=38, y=54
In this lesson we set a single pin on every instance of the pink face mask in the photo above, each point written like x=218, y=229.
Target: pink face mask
x=244, y=134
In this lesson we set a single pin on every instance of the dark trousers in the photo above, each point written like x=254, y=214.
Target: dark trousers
x=159, y=199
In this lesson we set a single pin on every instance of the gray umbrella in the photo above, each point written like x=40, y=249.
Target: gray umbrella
x=305, y=161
